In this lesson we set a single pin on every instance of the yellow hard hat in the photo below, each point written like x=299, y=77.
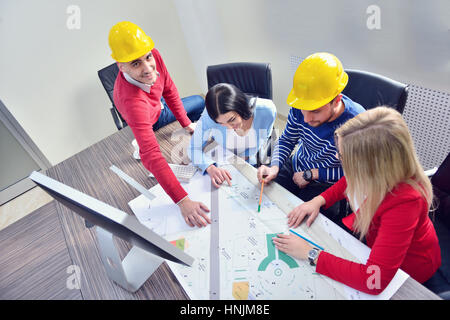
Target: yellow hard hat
x=128, y=42
x=317, y=81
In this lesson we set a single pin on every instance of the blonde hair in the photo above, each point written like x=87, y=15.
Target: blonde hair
x=377, y=153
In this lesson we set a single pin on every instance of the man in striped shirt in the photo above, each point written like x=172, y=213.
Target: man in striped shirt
x=318, y=109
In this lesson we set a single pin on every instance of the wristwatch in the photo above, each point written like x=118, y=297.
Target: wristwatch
x=312, y=255
x=307, y=175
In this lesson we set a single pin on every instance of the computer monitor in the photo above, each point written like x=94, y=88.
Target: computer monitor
x=149, y=248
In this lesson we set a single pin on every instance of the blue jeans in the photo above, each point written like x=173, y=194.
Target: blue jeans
x=194, y=106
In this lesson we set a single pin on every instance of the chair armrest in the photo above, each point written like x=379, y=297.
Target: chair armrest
x=431, y=172
x=116, y=119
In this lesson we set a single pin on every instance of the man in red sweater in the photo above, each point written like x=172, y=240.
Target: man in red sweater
x=141, y=83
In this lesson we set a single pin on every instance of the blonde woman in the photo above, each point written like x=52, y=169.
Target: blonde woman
x=390, y=197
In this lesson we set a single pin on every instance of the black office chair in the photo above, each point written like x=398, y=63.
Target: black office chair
x=440, y=282
x=254, y=79
x=371, y=90
x=108, y=76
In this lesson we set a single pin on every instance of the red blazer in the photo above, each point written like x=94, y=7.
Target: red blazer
x=141, y=111
x=401, y=235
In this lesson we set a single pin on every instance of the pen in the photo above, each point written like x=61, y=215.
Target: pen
x=260, y=196
x=314, y=244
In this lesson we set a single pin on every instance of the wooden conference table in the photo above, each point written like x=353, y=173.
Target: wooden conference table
x=42, y=252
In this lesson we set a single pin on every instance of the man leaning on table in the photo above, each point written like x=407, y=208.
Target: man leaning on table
x=142, y=80
x=318, y=109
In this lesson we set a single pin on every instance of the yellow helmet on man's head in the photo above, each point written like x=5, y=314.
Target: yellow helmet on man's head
x=317, y=81
x=128, y=42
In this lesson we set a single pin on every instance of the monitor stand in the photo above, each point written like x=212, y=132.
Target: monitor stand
x=131, y=272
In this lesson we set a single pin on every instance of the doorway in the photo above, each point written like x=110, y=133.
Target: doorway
x=19, y=156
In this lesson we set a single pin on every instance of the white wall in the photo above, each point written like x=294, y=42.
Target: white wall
x=203, y=33
x=412, y=45
x=48, y=73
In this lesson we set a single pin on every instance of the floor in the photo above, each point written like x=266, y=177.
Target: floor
x=22, y=205
x=35, y=198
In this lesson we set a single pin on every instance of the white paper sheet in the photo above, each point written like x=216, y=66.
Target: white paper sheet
x=162, y=215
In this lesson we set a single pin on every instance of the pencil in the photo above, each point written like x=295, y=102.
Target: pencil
x=314, y=244
x=260, y=196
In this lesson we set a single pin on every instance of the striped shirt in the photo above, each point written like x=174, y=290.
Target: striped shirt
x=316, y=149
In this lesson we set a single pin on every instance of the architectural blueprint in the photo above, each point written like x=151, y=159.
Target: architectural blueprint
x=235, y=257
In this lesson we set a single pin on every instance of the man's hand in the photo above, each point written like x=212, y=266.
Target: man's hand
x=267, y=173
x=194, y=213
x=299, y=181
x=190, y=128
x=218, y=176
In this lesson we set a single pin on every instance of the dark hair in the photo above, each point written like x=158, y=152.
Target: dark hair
x=224, y=97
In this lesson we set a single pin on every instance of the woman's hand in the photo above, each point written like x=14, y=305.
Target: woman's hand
x=310, y=208
x=292, y=245
x=218, y=175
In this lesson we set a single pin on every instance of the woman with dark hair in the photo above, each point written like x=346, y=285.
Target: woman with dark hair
x=239, y=123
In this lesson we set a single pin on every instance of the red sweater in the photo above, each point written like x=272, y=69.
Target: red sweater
x=401, y=235
x=141, y=111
